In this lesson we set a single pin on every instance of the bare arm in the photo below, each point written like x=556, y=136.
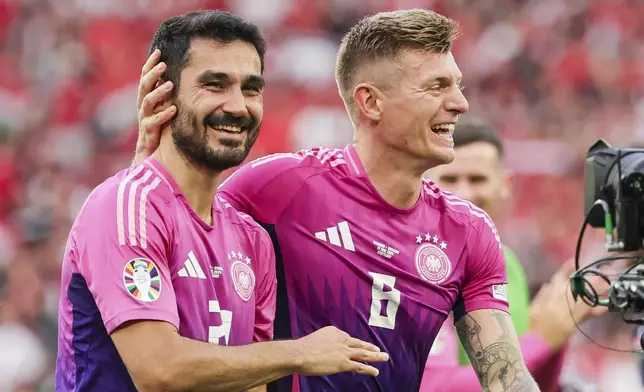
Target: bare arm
x=491, y=343
x=188, y=365
x=452, y=377
x=551, y=319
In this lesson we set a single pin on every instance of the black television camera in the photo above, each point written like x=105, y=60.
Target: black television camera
x=614, y=200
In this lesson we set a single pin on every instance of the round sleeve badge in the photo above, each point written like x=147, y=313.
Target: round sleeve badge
x=141, y=279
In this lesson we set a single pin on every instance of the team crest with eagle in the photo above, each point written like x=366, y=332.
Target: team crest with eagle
x=242, y=275
x=141, y=279
x=432, y=263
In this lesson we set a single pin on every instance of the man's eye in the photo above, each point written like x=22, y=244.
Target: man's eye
x=215, y=85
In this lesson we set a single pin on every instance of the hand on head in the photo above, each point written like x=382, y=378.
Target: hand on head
x=155, y=108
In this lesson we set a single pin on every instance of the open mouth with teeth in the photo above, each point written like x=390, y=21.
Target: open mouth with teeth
x=444, y=131
x=232, y=129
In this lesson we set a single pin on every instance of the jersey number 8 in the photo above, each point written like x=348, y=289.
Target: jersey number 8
x=384, y=297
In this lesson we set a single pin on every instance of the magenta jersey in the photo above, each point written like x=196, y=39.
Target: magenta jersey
x=137, y=251
x=345, y=257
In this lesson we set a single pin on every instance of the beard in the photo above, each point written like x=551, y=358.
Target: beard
x=192, y=140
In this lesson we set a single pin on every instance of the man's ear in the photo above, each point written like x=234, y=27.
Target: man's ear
x=368, y=101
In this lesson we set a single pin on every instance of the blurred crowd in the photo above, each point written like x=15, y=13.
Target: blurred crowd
x=552, y=75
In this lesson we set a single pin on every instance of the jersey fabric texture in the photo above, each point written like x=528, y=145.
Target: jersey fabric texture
x=345, y=257
x=137, y=251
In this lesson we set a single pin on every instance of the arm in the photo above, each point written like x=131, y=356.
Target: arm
x=190, y=365
x=492, y=346
x=551, y=327
x=194, y=366
x=445, y=374
x=519, y=300
x=144, y=327
x=483, y=323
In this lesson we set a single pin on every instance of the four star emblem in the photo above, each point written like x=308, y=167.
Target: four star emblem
x=432, y=239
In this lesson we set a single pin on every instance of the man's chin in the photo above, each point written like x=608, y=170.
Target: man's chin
x=227, y=141
x=441, y=156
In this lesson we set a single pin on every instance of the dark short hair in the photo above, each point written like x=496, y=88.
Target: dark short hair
x=175, y=35
x=472, y=130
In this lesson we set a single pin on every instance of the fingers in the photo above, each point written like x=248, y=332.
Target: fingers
x=154, y=97
x=148, y=82
x=362, y=368
x=162, y=106
x=368, y=356
x=357, y=343
x=151, y=62
x=155, y=123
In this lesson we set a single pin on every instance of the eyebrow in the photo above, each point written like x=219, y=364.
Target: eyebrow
x=446, y=80
x=255, y=81
x=208, y=76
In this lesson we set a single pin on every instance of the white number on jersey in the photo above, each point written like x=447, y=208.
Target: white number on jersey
x=223, y=330
x=380, y=297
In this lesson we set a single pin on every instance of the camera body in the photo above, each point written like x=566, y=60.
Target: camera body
x=616, y=176
x=614, y=181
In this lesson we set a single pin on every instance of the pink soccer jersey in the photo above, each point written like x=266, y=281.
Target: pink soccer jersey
x=347, y=258
x=137, y=251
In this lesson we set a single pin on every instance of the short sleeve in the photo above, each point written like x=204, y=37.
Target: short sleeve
x=266, y=296
x=486, y=278
x=121, y=242
x=264, y=187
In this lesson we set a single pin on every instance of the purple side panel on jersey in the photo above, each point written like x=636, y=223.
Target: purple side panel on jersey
x=105, y=370
x=407, y=358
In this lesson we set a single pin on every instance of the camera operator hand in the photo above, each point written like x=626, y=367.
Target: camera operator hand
x=553, y=308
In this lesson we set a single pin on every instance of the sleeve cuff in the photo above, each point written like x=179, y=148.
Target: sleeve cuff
x=139, y=315
x=480, y=305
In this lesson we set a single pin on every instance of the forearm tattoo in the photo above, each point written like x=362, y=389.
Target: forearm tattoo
x=497, y=362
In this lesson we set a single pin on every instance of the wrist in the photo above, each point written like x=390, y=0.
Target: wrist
x=293, y=354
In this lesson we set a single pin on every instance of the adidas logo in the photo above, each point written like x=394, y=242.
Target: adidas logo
x=335, y=234
x=192, y=268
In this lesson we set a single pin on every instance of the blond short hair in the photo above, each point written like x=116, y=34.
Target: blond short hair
x=382, y=37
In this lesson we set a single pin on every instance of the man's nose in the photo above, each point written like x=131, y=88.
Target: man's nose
x=235, y=103
x=463, y=190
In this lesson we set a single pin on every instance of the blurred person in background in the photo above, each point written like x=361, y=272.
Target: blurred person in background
x=478, y=174
x=23, y=357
